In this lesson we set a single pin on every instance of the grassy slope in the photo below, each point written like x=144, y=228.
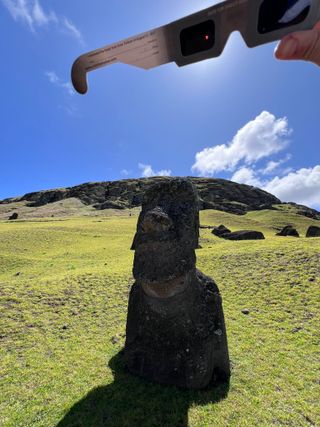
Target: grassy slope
x=63, y=293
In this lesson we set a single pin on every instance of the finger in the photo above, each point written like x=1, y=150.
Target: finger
x=301, y=45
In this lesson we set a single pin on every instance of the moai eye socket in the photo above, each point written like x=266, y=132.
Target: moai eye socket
x=156, y=220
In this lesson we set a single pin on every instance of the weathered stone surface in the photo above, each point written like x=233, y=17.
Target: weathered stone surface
x=175, y=328
x=220, y=231
x=13, y=217
x=313, y=231
x=289, y=230
x=244, y=235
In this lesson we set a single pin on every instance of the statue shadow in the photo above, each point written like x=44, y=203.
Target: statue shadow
x=130, y=401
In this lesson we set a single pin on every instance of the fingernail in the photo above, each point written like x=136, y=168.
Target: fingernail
x=287, y=48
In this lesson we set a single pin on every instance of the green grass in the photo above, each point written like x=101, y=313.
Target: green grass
x=63, y=292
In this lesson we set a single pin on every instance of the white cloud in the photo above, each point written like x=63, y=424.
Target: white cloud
x=272, y=165
x=55, y=80
x=148, y=172
x=260, y=138
x=40, y=17
x=20, y=11
x=302, y=186
x=287, y=170
x=31, y=12
x=72, y=30
x=125, y=172
x=246, y=176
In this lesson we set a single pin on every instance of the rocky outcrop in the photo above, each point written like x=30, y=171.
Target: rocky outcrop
x=217, y=194
x=313, y=231
x=305, y=211
x=175, y=327
x=289, y=230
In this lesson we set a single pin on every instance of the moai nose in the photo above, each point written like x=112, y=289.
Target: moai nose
x=156, y=220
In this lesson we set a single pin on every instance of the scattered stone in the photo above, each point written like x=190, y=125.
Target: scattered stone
x=115, y=339
x=310, y=421
x=245, y=311
x=313, y=231
x=220, y=231
x=175, y=332
x=13, y=217
x=244, y=235
x=289, y=230
x=225, y=233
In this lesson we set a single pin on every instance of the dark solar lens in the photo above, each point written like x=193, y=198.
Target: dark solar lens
x=278, y=14
x=197, y=38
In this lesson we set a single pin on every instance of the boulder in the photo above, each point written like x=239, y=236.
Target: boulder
x=175, y=332
x=313, y=231
x=244, y=235
x=14, y=216
x=289, y=230
x=220, y=231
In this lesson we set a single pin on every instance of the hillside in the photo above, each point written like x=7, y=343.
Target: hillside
x=64, y=293
x=89, y=198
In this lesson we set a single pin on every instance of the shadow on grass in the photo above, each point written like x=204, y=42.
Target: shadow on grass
x=131, y=401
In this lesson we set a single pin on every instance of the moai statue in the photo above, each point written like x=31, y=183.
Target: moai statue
x=175, y=333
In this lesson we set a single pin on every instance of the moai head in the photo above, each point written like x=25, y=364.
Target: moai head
x=166, y=238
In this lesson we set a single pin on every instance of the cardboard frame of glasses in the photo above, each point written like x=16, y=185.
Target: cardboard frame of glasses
x=162, y=45
x=230, y=16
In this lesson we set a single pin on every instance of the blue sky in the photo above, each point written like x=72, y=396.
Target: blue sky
x=243, y=116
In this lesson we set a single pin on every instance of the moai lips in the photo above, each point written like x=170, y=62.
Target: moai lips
x=175, y=328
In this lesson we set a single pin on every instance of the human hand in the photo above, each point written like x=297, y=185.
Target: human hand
x=303, y=45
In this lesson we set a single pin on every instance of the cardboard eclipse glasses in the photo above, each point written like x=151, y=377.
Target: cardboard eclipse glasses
x=202, y=35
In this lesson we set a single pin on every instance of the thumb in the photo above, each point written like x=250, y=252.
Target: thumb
x=301, y=45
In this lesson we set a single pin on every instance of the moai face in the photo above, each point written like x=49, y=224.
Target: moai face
x=166, y=238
